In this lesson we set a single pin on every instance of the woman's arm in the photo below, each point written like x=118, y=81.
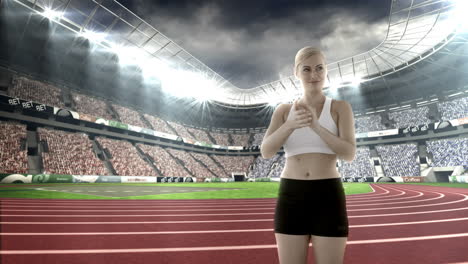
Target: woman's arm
x=276, y=134
x=344, y=145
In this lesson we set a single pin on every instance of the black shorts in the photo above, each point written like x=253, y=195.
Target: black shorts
x=312, y=207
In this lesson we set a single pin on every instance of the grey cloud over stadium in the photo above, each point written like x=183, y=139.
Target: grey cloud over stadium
x=251, y=43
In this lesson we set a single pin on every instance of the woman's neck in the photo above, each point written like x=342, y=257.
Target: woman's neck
x=313, y=98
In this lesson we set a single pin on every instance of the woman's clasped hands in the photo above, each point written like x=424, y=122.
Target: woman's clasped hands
x=302, y=116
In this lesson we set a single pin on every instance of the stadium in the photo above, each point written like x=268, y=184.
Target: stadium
x=119, y=146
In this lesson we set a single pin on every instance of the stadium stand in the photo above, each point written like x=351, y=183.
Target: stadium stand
x=399, y=160
x=448, y=152
x=368, y=123
x=197, y=169
x=361, y=166
x=457, y=108
x=410, y=117
x=219, y=171
x=69, y=153
x=36, y=91
x=90, y=106
x=221, y=138
x=278, y=168
x=241, y=139
x=158, y=124
x=235, y=163
x=200, y=135
x=258, y=138
x=181, y=130
x=125, y=158
x=129, y=116
x=163, y=161
x=13, y=159
x=262, y=167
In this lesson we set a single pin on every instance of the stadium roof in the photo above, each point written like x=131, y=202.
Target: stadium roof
x=416, y=29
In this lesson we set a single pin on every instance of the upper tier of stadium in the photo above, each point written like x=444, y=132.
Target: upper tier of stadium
x=416, y=30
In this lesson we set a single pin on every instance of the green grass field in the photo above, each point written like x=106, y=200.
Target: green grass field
x=249, y=190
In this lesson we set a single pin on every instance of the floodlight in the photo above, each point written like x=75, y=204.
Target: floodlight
x=182, y=83
x=130, y=55
x=51, y=14
x=93, y=36
x=459, y=15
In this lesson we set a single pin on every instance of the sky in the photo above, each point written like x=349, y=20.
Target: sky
x=251, y=43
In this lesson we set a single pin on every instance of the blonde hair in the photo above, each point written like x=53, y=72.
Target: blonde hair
x=304, y=54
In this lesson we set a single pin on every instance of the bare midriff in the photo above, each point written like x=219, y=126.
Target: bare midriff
x=310, y=166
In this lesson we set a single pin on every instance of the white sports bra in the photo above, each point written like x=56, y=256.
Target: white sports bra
x=305, y=140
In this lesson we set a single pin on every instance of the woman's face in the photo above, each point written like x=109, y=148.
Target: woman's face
x=312, y=72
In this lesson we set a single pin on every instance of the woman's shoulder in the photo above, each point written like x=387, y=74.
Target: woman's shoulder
x=338, y=106
x=284, y=108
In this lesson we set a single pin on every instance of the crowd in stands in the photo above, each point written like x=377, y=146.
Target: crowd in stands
x=448, y=152
x=129, y=116
x=361, y=166
x=258, y=138
x=36, y=91
x=454, y=109
x=411, y=117
x=181, y=130
x=235, y=163
x=262, y=167
x=13, y=159
x=240, y=139
x=163, y=161
x=39, y=92
x=221, y=138
x=210, y=163
x=399, y=160
x=90, y=106
x=196, y=169
x=125, y=158
x=278, y=167
x=200, y=135
x=69, y=153
x=368, y=123
x=158, y=124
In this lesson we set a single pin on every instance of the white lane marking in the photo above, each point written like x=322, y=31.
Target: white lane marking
x=416, y=206
x=387, y=198
x=372, y=194
x=237, y=209
x=142, y=203
x=351, y=216
x=217, y=221
x=216, y=231
x=135, y=215
x=127, y=191
x=106, y=191
x=123, y=210
x=410, y=213
x=162, y=203
x=146, y=250
x=405, y=202
x=138, y=233
x=234, y=209
x=133, y=222
x=134, y=206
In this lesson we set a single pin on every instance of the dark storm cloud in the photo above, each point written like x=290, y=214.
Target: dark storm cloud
x=254, y=42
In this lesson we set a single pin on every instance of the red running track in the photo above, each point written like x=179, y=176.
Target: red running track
x=395, y=224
